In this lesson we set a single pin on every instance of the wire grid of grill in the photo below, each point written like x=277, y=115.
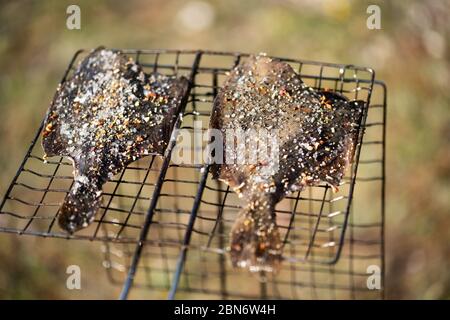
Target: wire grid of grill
x=167, y=224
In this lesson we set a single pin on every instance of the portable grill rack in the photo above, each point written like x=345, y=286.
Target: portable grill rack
x=164, y=227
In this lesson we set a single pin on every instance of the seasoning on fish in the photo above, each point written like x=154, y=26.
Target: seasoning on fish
x=315, y=132
x=108, y=114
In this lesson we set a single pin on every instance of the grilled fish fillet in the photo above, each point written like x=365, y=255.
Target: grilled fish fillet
x=315, y=132
x=108, y=114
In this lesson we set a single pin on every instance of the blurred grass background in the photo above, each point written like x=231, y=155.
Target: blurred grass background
x=410, y=53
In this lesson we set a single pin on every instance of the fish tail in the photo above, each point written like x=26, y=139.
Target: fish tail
x=80, y=205
x=255, y=239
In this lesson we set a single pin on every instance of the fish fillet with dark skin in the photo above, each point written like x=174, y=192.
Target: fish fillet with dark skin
x=108, y=114
x=316, y=134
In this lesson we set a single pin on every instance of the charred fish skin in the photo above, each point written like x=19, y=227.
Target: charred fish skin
x=108, y=114
x=316, y=133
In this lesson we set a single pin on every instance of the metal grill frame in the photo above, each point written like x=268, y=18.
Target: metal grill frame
x=139, y=239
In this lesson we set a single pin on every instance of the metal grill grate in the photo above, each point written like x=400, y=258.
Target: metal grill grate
x=167, y=225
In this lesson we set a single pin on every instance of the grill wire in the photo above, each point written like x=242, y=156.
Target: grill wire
x=164, y=227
